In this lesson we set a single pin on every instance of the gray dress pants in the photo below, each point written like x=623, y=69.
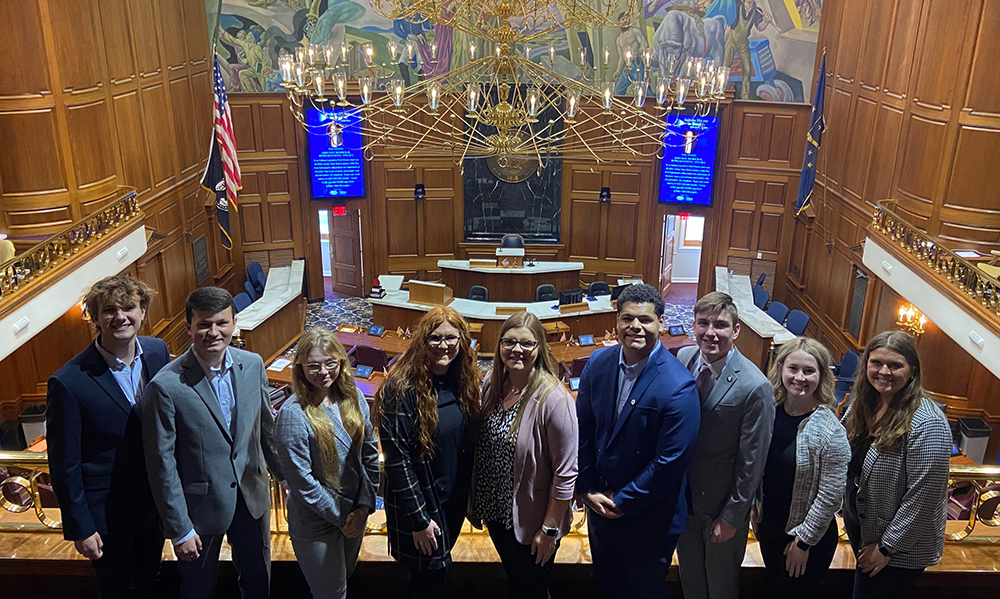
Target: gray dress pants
x=327, y=562
x=710, y=570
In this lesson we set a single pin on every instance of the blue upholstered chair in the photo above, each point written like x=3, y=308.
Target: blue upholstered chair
x=797, y=322
x=778, y=311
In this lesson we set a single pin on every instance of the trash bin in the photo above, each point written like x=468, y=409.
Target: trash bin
x=973, y=434
x=33, y=423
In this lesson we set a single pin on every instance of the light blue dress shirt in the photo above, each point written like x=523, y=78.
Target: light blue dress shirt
x=630, y=374
x=128, y=376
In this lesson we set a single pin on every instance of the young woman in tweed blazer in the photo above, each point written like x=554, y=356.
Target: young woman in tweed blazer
x=897, y=484
x=425, y=412
x=804, y=475
x=326, y=445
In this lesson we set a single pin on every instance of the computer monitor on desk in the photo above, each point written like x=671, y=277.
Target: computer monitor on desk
x=570, y=296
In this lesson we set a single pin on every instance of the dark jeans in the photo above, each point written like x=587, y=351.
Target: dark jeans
x=130, y=564
x=250, y=541
x=525, y=578
x=773, y=540
x=890, y=583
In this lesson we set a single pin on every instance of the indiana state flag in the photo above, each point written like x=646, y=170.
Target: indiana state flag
x=817, y=125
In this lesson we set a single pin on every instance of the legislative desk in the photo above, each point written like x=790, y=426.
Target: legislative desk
x=758, y=331
x=394, y=311
x=277, y=318
x=509, y=284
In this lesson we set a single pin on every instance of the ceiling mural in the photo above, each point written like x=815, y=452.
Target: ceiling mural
x=770, y=45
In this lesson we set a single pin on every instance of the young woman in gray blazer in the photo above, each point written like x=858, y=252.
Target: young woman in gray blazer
x=804, y=474
x=526, y=457
x=897, y=482
x=327, y=448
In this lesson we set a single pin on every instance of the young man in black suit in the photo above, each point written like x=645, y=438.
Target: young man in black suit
x=95, y=443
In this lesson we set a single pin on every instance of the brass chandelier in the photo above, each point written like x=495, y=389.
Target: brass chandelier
x=502, y=105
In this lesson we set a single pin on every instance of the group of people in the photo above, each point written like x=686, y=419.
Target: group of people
x=664, y=452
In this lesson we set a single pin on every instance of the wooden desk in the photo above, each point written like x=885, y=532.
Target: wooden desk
x=272, y=337
x=509, y=284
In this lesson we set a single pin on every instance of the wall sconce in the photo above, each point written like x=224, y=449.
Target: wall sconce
x=911, y=320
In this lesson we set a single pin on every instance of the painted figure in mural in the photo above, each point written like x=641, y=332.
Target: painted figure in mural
x=253, y=55
x=748, y=16
x=683, y=33
x=633, y=38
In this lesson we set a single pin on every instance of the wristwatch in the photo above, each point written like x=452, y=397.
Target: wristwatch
x=549, y=531
x=803, y=545
x=883, y=549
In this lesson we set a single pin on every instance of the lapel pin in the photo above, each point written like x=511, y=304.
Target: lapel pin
x=729, y=379
x=633, y=402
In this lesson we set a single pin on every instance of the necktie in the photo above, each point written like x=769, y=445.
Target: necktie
x=703, y=381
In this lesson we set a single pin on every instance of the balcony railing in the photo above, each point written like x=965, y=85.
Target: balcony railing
x=957, y=272
x=24, y=477
x=28, y=270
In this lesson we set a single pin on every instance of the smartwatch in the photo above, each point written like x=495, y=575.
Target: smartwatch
x=550, y=531
x=803, y=545
x=883, y=549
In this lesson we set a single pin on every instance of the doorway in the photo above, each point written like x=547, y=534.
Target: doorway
x=340, y=246
x=680, y=259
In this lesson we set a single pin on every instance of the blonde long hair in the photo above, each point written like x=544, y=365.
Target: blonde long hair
x=824, y=391
x=412, y=371
x=342, y=392
x=543, y=376
x=895, y=423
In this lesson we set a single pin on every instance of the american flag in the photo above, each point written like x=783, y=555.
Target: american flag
x=225, y=137
x=222, y=173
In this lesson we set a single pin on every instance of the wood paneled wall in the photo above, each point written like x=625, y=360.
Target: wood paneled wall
x=749, y=228
x=97, y=94
x=913, y=114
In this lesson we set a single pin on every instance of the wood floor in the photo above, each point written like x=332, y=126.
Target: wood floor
x=44, y=565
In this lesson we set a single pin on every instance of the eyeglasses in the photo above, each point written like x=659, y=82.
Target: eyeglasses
x=316, y=367
x=450, y=340
x=525, y=345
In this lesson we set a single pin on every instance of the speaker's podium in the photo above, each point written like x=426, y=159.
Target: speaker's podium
x=430, y=294
x=510, y=257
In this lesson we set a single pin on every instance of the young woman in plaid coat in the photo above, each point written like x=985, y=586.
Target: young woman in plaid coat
x=425, y=411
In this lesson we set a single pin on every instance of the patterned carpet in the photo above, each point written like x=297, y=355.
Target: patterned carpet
x=331, y=314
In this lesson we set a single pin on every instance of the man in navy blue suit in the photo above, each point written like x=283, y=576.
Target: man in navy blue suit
x=639, y=412
x=95, y=444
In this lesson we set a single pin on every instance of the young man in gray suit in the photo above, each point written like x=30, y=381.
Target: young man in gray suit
x=737, y=414
x=206, y=423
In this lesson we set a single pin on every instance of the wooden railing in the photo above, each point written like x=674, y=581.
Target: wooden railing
x=952, y=270
x=23, y=475
x=28, y=270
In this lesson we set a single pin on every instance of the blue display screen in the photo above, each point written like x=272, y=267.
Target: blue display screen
x=689, y=160
x=335, y=172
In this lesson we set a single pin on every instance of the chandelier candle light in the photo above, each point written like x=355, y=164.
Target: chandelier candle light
x=911, y=320
x=502, y=104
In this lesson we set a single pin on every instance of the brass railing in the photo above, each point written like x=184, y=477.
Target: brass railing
x=956, y=271
x=22, y=473
x=980, y=485
x=18, y=274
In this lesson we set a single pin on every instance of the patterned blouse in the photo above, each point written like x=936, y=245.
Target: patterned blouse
x=493, y=500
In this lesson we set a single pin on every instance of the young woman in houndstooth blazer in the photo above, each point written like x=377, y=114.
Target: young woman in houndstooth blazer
x=803, y=484
x=897, y=482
